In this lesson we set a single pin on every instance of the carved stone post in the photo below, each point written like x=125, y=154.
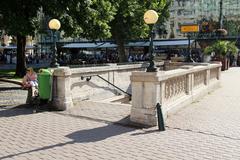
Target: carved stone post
x=219, y=69
x=145, y=96
x=219, y=73
x=62, y=98
x=190, y=79
x=189, y=84
x=207, y=77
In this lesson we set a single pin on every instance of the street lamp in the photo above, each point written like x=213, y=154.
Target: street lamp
x=54, y=25
x=150, y=18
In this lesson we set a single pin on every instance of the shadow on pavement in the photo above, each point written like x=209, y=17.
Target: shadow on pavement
x=22, y=109
x=98, y=134
x=10, y=88
x=83, y=136
x=35, y=150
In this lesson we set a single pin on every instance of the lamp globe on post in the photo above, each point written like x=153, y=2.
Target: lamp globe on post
x=150, y=18
x=54, y=25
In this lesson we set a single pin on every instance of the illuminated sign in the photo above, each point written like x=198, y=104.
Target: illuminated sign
x=189, y=28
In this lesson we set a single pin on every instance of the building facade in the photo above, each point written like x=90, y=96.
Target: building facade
x=204, y=12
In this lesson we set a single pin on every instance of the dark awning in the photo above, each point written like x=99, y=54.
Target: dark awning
x=182, y=42
x=15, y=47
x=90, y=45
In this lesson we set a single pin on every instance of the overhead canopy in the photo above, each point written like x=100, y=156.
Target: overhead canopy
x=15, y=47
x=172, y=43
x=90, y=45
x=166, y=43
x=107, y=45
x=137, y=44
x=161, y=43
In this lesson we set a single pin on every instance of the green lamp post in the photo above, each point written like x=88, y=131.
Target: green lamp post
x=54, y=25
x=150, y=18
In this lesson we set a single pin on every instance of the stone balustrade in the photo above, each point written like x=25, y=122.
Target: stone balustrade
x=172, y=89
x=72, y=85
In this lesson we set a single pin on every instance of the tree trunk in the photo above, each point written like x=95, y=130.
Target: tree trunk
x=21, y=58
x=121, y=50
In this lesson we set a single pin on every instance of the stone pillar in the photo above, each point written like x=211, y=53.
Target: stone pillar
x=219, y=69
x=219, y=73
x=62, y=98
x=207, y=76
x=189, y=84
x=190, y=78
x=145, y=96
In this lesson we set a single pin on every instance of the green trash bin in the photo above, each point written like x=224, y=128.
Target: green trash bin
x=45, y=84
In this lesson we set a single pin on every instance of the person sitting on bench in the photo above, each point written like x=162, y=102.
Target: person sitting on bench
x=30, y=79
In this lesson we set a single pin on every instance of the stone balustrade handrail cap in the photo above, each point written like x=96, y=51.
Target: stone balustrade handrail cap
x=164, y=75
x=62, y=71
x=91, y=70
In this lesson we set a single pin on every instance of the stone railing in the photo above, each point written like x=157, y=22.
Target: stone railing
x=172, y=89
x=71, y=85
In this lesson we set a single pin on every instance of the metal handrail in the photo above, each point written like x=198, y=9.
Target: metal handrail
x=89, y=78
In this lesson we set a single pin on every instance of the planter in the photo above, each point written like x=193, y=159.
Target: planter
x=228, y=63
x=224, y=64
x=206, y=58
x=238, y=60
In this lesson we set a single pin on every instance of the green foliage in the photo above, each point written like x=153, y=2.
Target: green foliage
x=160, y=26
x=86, y=18
x=232, y=26
x=120, y=20
x=7, y=72
x=79, y=18
x=17, y=17
x=128, y=22
x=208, y=50
x=221, y=48
x=232, y=48
x=91, y=19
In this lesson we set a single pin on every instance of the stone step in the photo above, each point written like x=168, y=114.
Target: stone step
x=117, y=99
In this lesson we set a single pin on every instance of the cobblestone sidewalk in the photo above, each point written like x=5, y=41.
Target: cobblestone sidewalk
x=207, y=129
x=11, y=94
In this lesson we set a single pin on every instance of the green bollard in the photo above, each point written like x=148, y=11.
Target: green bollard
x=161, y=126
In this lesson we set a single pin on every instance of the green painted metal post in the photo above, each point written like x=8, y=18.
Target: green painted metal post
x=161, y=126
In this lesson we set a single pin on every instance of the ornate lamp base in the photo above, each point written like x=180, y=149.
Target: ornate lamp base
x=151, y=67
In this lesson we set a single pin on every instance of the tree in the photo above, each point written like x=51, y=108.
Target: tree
x=232, y=26
x=119, y=20
x=86, y=19
x=17, y=17
x=92, y=19
x=128, y=21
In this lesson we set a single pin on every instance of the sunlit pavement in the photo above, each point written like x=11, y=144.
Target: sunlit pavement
x=206, y=129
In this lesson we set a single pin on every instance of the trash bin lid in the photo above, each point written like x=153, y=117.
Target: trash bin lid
x=45, y=72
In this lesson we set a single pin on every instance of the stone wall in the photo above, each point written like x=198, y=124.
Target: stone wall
x=172, y=89
x=71, y=86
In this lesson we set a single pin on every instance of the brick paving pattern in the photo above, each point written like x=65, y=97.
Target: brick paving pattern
x=100, y=111
x=11, y=94
x=207, y=129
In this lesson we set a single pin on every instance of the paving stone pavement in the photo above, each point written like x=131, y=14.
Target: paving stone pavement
x=217, y=113
x=207, y=129
x=11, y=94
x=101, y=111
